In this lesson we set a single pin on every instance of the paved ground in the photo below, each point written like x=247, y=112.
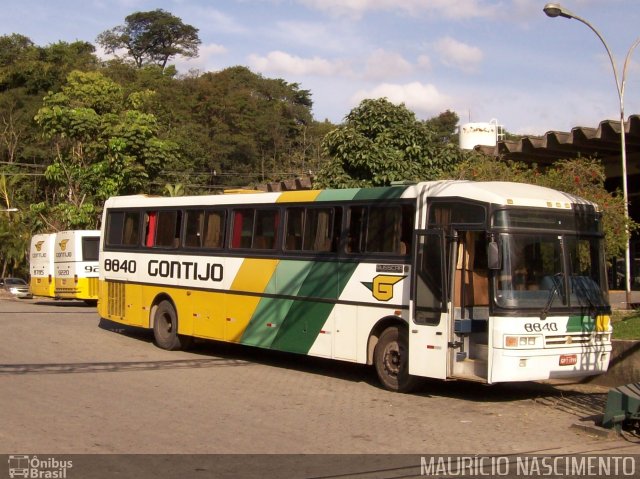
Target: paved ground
x=72, y=383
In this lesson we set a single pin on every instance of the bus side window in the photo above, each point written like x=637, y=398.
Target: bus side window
x=193, y=228
x=242, y=228
x=389, y=229
x=168, y=229
x=294, y=228
x=213, y=234
x=115, y=228
x=131, y=234
x=355, y=228
x=266, y=229
x=122, y=228
x=318, y=234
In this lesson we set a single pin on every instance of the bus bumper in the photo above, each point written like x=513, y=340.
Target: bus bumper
x=560, y=363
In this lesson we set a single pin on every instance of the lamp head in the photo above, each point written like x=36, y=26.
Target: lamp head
x=556, y=10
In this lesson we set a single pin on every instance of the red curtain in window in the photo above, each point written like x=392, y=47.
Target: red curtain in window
x=237, y=229
x=151, y=229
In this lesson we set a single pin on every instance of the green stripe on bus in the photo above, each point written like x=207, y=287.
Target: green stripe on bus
x=270, y=313
x=390, y=192
x=344, y=194
x=578, y=324
x=305, y=319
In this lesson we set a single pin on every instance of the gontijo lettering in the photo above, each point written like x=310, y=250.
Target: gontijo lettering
x=185, y=270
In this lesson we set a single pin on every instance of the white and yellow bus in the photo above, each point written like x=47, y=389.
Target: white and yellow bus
x=76, y=265
x=490, y=282
x=41, y=265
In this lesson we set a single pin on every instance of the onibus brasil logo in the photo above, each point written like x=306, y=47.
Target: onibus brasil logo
x=382, y=286
x=34, y=467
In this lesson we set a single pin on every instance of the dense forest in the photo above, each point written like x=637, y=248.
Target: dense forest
x=76, y=129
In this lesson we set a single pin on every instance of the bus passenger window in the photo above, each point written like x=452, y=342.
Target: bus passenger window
x=213, y=235
x=122, y=228
x=357, y=222
x=168, y=229
x=294, y=228
x=242, y=228
x=193, y=228
x=318, y=235
x=389, y=229
x=266, y=229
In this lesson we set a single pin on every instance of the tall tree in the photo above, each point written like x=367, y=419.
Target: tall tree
x=104, y=144
x=152, y=38
x=381, y=142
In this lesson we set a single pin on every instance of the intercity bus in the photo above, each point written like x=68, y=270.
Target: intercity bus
x=76, y=265
x=484, y=281
x=41, y=265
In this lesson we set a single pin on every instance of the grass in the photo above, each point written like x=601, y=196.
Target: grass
x=626, y=324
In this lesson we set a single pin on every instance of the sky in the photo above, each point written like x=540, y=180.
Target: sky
x=502, y=60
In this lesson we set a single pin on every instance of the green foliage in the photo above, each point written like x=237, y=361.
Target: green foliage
x=581, y=177
x=152, y=38
x=103, y=146
x=381, y=142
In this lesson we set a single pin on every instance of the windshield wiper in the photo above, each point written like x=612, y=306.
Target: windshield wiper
x=557, y=281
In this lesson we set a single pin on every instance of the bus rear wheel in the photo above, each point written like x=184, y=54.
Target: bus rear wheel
x=391, y=359
x=165, y=328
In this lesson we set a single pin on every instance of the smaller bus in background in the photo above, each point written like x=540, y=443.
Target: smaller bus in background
x=41, y=265
x=76, y=265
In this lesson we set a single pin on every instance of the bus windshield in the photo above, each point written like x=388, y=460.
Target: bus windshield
x=550, y=271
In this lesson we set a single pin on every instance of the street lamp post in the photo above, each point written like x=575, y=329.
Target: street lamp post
x=556, y=10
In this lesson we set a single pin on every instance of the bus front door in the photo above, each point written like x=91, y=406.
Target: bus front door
x=429, y=329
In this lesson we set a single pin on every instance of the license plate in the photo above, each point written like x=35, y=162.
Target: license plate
x=568, y=359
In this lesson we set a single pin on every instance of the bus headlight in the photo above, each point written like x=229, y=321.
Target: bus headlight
x=523, y=341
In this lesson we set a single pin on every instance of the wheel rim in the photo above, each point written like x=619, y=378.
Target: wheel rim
x=392, y=360
x=165, y=325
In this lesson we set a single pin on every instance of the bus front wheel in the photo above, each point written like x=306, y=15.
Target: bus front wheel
x=391, y=359
x=165, y=328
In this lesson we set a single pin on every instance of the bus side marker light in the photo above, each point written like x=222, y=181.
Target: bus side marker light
x=523, y=363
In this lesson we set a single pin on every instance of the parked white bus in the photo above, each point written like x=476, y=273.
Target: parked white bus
x=490, y=282
x=41, y=265
x=76, y=265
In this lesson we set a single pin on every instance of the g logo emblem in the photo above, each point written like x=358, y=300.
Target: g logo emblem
x=382, y=286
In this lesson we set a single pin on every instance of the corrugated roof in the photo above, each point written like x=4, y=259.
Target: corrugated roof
x=602, y=142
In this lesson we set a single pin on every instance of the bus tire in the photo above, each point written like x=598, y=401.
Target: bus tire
x=165, y=328
x=391, y=360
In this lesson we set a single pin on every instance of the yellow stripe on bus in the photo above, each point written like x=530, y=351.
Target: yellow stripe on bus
x=298, y=196
x=253, y=277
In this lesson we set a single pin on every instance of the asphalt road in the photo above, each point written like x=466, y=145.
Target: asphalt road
x=72, y=383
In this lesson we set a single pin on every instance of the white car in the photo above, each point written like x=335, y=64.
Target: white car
x=17, y=287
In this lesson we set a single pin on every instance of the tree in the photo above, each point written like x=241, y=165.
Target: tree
x=152, y=38
x=14, y=233
x=104, y=144
x=381, y=142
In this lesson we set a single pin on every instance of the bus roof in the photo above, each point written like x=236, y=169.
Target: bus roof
x=496, y=192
